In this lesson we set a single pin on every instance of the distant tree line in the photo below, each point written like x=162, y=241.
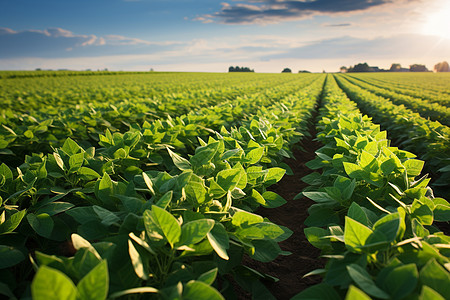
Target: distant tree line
x=395, y=67
x=240, y=69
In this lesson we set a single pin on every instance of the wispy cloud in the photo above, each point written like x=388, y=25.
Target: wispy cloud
x=337, y=25
x=276, y=11
x=57, y=42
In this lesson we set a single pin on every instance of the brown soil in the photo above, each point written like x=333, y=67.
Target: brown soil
x=304, y=258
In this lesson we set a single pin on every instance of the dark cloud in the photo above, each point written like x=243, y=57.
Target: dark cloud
x=274, y=11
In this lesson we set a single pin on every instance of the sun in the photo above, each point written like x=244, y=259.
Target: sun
x=438, y=23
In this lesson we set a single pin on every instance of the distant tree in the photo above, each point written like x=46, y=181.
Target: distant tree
x=304, y=71
x=361, y=67
x=286, y=70
x=418, y=68
x=442, y=67
x=240, y=69
x=395, y=68
x=343, y=69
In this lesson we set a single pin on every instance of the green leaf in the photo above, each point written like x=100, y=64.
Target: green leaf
x=243, y=217
x=54, y=208
x=422, y=212
x=49, y=284
x=315, y=237
x=354, y=293
x=107, y=217
x=219, y=240
x=140, y=290
x=198, y=290
x=274, y=175
x=365, y=282
x=70, y=147
x=104, y=189
x=136, y=260
x=79, y=242
x=164, y=201
x=401, y=281
x=75, y=162
x=441, y=210
x=355, y=234
x=254, y=155
x=42, y=224
x=319, y=291
x=10, y=256
x=179, y=162
x=87, y=173
x=195, y=192
x=388, y=166
x=168, y=224
x=94, y=286
x=148, y=183
x=228, y=179
x=429, y=294
x=12, y=222
x=358, y=214
x=413, y=166
x=354, y=171
x=436, y=277
x=209, y=277
x=272, y=199
x=203, y=155
x=195, y=231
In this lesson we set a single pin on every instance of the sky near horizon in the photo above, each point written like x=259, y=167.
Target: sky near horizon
x=209, y=35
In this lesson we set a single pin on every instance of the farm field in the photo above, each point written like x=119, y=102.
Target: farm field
x=209, y=185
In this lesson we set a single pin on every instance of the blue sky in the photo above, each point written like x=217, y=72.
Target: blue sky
x=209, y=35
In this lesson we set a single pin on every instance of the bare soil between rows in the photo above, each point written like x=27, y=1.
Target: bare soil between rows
x=304, y=258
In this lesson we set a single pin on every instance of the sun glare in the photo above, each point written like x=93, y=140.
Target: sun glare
x=438, y=23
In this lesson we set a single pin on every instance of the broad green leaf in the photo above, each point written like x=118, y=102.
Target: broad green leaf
x=219, y=240
x=319, y=197
x=54, y=208
x=76, y=161
x=70, y=147
x=388, y=166
x=365, y=282
x=168, y=224
x=104, y=189
x=137, y=262
x=254, y=155
x=42, y=224
x=413, y=166
x=79, y=242
x=358, y=214
x=198, y=290
x=195, y=231
x=87, y=173
x=107, y=217
x=12, y=222
x=429, y=294
x=94, y=286
x=51, y=284
x=10, y=256
x=195, y=192
x=265, y=250
x=274, y=175
x=203, y=155
x=401, y=281
x=228, y=179
x=209, y=277
x=315, y=237
x=442, y=210
x=354, y=293
x=355, y=234
x=243, y=217
x=164, y=201
x=436, y=277
x=272, y=199
x=179, y=162
x=422, y=212
x=353, y=170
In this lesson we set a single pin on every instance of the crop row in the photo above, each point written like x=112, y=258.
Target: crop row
x=428, y=139
x=433, y=111
x=435, y=94
x=374, y=218
x=48, y=127
x=165, y=208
